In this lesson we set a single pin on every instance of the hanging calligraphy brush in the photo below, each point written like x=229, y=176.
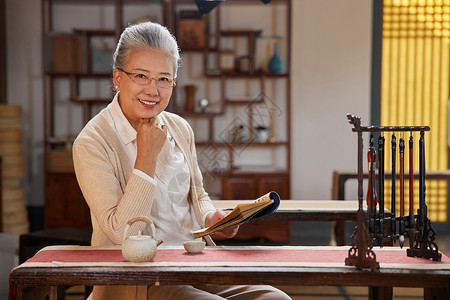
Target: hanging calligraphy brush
x=381, y=188
x=393, y=223
x=411, y=193
x=371, y=190
x=402, y=195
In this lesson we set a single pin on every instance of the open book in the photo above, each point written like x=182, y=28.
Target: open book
x=243, y=213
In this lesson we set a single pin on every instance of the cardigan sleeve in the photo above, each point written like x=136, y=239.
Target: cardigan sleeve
x=113, y=197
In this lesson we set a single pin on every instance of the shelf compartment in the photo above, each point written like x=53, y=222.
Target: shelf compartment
x=60, y=140
x=240, y=32
x=246, y=75
x=90, y=100
x=87, y=105
x=205, y=114
x=243, y=144
x=243, y=100
x=105, y=32
x=80, y=74
x=198, y=49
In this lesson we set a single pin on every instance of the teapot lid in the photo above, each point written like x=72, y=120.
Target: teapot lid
x=139, y=237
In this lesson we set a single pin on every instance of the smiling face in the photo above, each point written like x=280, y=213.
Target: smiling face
x=144, y=101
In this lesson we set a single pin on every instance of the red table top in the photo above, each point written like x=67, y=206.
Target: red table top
x=289, y=256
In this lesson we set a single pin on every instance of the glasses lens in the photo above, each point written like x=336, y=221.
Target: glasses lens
x=140, y=78
x=165, y=82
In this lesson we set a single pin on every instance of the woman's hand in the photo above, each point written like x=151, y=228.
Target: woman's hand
x=212, y=218
x=150, y=139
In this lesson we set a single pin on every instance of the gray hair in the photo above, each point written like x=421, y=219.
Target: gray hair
x=147, y=34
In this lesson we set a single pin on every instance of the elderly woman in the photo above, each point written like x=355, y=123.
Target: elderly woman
x=134, y=159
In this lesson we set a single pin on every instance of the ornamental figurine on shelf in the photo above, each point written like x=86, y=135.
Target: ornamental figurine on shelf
x=203, y=104
x=261, y=134
x=271, y=138
x=275, y=63
x=237, y=134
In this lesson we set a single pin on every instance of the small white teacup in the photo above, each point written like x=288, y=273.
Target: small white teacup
x=194, y=246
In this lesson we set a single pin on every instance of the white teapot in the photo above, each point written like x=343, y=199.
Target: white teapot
x=139, y=248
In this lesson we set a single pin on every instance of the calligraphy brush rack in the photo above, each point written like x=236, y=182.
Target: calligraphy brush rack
x=379, y=228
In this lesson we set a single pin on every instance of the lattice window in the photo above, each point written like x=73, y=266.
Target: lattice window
x=415, y=84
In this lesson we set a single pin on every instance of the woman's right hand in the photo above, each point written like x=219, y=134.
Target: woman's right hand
x=150, y=139
x=219, y=214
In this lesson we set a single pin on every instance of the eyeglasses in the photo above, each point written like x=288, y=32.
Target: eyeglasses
x=142, y=79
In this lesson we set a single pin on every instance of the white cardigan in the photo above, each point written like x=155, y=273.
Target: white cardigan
x=115, y=194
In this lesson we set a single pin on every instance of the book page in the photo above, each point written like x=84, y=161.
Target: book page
x=240, y=213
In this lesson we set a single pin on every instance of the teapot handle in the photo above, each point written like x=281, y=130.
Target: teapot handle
x=143, y=219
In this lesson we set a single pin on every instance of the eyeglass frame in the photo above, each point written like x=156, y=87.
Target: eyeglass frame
x=149, y=79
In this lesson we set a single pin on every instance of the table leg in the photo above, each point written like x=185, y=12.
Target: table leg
x=338, y=186
x=381, y=292
x=15, y=291
x=339, y=230
x=19, y=292
x=338, y=193
x=435, y=294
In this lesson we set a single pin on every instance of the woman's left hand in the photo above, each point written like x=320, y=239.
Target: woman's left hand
x=212, y=218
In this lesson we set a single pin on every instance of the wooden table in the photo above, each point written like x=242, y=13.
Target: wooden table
x=304, y=210
x=435, y=281
x=341, y=176
x=309, y=210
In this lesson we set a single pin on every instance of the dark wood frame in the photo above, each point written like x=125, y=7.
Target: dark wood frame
x=375, y=87
x=223, y=77
x=1, y=197
x=169, y=20
x=50, y=142
x=3, y=67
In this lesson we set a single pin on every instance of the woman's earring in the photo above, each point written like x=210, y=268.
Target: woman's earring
x=117, y=87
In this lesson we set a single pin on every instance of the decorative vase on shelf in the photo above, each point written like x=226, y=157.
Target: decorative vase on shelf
x=275, y=63
x=190, y=97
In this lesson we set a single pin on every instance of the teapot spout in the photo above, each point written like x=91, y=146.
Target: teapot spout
x=158, y=242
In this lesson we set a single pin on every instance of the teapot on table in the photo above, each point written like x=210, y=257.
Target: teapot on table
x=139, y=248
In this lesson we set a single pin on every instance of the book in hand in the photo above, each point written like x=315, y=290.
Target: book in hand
x=243, y=213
